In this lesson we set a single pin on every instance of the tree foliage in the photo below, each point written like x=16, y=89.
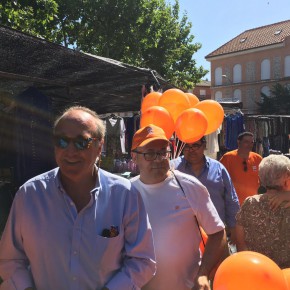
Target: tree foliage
x=278, y=102
x=144, y=33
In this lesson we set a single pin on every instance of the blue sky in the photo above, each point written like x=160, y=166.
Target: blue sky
x=217, y=22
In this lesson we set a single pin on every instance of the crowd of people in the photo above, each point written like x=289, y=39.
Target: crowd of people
x=80, y=227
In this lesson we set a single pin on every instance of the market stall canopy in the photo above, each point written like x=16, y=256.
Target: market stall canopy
x=69, y=76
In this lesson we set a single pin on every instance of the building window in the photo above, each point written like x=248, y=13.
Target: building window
x=218, y=96
x=218, y=76
x=250, y=71
x=237, y=73
x=265, y=69
x=265, y=91
x=287, y=66
x=202, y=93
x=238, y=95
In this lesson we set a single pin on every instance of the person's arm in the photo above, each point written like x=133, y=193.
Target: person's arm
x=278, y=198
x=139, y=264
x=240, y=235
x=14, y=265
x=213, y=252
x=232, y=205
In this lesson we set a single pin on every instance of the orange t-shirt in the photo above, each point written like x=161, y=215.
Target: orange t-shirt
x=246, y=182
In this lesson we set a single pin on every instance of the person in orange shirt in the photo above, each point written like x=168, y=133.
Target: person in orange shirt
x=242, y=165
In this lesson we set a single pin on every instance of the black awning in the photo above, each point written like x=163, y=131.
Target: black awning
x=69, y=76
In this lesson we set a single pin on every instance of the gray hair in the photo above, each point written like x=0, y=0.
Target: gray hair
x=274, y=170
x=100, y=127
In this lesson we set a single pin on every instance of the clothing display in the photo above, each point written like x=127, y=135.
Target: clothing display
x=216, y=179
x=266, y=231
x=243, y=172
x=115, y=136
x=270, y=132
x=168, y=208
x=234, y=125
x=64, y=240
x=212, y=145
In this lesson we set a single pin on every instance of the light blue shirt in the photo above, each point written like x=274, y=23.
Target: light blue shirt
x=48, y=245
x=216, y=179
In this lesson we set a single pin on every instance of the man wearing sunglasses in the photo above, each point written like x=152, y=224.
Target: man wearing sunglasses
x=242, y=165
x=174, y=200
x=77, y=226
x=214, y=176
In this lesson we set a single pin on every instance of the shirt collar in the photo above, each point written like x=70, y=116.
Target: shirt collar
x=187, y=164
x=94, y=191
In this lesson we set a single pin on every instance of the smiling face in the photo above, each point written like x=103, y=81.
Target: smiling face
x=77, y=164
x=194, y=152
x=153, y=171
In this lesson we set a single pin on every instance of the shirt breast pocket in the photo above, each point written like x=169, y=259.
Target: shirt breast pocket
x=110, y=250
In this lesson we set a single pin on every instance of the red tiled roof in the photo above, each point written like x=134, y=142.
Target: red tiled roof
x=203, y=83
x=254, y=38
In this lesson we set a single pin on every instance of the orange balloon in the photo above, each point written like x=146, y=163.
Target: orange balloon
x=286, y=273
x=191, y=125
x=152, y=99
x=175, y=102
x=193, y=99
x=249, y=271
x=214, y=113
x=160, y=117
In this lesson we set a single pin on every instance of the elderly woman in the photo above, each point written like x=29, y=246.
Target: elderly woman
x=260, y=228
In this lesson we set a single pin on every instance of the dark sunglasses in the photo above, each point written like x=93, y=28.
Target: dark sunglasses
x=80, y=143
x=245, y=165
x=193, y=146
x=151, y=156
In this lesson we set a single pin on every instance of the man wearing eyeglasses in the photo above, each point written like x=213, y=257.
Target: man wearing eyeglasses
x=77, y=226
x=214, y=176
x=173, y=200
x=242, y=165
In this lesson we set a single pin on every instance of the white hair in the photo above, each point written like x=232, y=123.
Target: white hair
x=274, y=170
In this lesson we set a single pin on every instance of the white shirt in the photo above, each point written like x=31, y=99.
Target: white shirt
x=175, y=232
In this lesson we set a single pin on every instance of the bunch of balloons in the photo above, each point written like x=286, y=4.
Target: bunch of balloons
x=249, y=270
x=182, y=113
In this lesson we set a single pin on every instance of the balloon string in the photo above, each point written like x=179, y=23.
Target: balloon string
x=181, y=146
x=176, y=149
x=175, y=146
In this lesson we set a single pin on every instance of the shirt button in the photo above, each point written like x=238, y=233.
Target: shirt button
x=75, y=252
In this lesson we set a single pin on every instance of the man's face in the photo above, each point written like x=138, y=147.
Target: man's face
x=75, y=128
x=246, y=143
x=153, y=167
x=194, y=152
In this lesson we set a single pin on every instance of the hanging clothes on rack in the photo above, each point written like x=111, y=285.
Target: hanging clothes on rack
x=234, y=126
x=270, y=132
x=132, y=125
x=115, y=137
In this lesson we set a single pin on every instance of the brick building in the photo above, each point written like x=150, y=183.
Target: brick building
x=202, y=90
x=251, y=63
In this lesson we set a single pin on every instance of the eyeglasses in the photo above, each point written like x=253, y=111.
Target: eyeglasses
x=150, y=156
x=245, y=165
x=194, y=146
x=80, y=143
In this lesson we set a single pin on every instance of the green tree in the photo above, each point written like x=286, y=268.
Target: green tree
x=36, y=17
x=278, y=102
x=145, y=33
